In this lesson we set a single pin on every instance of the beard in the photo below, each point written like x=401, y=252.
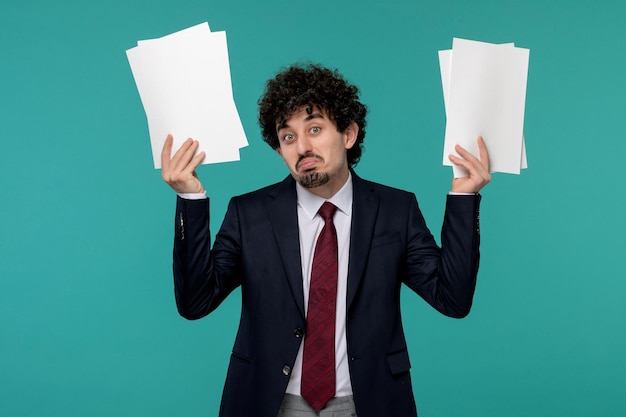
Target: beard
x=313, y=179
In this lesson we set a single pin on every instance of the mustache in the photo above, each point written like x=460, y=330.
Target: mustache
x=308, y=155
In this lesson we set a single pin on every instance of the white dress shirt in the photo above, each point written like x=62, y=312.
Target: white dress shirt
x=310, y=225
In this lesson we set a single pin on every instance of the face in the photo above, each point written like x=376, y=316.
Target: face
x=315, y=151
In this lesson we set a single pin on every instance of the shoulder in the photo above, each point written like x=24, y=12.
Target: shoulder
x=280, y=189
x=384, y=191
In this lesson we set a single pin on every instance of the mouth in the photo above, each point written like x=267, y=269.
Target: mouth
x=308, y=162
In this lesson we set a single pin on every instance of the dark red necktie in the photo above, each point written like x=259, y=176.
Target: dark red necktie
x=318, y=358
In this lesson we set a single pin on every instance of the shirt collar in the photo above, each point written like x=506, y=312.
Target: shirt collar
x=311, y=203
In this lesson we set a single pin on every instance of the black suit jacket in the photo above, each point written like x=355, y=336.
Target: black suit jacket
x=258, y=249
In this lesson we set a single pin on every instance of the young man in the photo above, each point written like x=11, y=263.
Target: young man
x=297, y=259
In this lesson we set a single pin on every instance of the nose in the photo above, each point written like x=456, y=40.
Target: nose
x=304, y=144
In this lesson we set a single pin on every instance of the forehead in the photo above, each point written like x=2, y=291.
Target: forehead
x=303, y=113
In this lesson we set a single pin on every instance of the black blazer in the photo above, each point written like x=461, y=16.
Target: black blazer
x=258, y=249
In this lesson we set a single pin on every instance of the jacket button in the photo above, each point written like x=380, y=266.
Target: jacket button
x=298, y=332
x=286, y=370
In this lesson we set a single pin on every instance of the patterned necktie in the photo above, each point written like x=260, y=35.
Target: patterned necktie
x=318, y=359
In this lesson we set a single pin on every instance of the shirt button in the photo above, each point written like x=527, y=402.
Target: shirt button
x=298, y=332
x=286, y=370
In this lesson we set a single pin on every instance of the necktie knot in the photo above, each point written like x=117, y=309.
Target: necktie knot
x=327, y=211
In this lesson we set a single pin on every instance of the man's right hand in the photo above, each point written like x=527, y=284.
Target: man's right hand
x=179, y=171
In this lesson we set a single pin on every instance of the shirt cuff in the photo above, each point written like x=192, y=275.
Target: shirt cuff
x=193, y=196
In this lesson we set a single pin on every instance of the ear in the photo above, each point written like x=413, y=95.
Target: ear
x=350, y=134
x=278, y=151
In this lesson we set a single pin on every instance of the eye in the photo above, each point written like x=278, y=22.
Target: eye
x=316, y=129
x=289, y=137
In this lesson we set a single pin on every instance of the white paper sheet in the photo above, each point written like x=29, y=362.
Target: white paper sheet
x=445, y=58
x=484, y=94
x=184, y=83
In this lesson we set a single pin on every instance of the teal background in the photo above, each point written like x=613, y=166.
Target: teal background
x=88, y=324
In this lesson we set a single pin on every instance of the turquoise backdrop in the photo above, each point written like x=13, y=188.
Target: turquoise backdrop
x=88, y=324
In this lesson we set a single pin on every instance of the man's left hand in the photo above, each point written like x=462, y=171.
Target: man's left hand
x=477, y=168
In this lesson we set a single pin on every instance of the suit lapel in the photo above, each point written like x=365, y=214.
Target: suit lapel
x=282, y=206
x=364, y=212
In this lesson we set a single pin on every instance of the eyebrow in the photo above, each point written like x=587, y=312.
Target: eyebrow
x=314, y=116
x=283, y=124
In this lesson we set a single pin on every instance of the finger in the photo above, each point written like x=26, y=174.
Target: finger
x=460, y=162
x=484, y=154
x=181, y=159
x=476, y=171
x=166, y=153
x=190, y=152
x=465, y=159
x=464, y=153
x=475, y=165
x=187, y=154
x=195, y=162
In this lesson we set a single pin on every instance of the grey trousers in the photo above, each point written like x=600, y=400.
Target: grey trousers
x=295, y=406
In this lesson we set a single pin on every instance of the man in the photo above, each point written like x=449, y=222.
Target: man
x=268, y=245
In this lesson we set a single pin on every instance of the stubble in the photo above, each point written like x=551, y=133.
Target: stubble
x=313, y=179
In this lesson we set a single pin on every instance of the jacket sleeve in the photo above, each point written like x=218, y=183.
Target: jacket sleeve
x=446, y=277
x=203, y=278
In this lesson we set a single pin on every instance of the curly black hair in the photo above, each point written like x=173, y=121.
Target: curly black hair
x=314, y=86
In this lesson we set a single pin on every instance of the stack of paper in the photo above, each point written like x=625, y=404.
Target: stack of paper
x=185, y=87
x=484, y=88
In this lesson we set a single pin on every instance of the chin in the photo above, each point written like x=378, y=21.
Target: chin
x=313, y=179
